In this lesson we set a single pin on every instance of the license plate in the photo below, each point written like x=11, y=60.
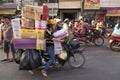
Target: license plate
x=110, y=40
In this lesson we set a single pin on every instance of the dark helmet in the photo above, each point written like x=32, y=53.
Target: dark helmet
x=85, y=20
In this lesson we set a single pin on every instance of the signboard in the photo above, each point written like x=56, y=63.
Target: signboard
x=52, y=5
x=113, y=12
x=92, y=4
x=53, y=8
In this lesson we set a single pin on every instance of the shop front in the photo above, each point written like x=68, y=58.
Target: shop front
x=112, y=15
x=69, y=9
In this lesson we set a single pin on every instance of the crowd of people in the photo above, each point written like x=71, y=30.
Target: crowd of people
x=82, y=26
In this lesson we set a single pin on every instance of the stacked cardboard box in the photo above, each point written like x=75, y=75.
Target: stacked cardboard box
x=29, y=30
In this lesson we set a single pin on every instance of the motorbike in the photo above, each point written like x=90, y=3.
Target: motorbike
x=114, y=43
x=92, y=36
x=81, y=39
x=70, y=54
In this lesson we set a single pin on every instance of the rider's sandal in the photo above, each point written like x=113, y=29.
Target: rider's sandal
x=44, y=73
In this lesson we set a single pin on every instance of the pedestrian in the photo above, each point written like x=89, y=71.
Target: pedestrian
x=50, y=48
x=7, y=32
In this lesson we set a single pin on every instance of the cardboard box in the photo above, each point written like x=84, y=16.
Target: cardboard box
x=40, y=34
x=29, y=12
x=28, y=34
x=38, y=12
x=28, y=23
x=33, y=12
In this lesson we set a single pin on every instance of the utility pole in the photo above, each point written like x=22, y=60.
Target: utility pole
x=82, y=7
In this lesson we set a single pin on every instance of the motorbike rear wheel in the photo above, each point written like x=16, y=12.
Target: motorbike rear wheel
x=114, y=46
x=77, y=60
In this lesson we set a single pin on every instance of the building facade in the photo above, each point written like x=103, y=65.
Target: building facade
x=93, y=9
x=69, y=9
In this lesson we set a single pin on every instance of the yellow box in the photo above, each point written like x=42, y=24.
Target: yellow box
x=40, y=44
x=28, y=34
x=40, y=34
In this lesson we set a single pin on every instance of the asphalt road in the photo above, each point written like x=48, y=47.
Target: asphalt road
x=101, y=64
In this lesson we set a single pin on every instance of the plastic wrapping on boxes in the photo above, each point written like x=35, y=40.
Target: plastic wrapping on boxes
x=40, y=24
x=16, y=27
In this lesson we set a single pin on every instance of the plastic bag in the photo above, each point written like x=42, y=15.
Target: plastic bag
x=57, y=47
x=18, y=55
x=63, y=55
x=60, y=34
x=75, y=44
x=30, y=59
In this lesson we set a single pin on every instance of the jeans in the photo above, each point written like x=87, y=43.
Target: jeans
x=51, y=52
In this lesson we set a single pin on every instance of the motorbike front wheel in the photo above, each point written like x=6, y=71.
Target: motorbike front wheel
x=99, y=41
x=106, y=35
x=77, y=60
x=83, y=45
x=114, y=46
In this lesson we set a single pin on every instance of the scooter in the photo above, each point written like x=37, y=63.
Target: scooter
x=114, y=43
x=70, y=54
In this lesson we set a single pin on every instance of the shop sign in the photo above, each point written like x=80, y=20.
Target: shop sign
x=113, y=12
x=52, y=5
x=92, y=4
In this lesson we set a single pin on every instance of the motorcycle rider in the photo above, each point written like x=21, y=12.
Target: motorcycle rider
x=116, y=30
x=50, y=48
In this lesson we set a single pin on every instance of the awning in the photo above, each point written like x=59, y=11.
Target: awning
x=2, y=12
x=113, y=12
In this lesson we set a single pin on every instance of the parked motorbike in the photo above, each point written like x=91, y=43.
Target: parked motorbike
x=114, y=43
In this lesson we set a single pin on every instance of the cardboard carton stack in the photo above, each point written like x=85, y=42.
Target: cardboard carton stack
x=29, y=30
